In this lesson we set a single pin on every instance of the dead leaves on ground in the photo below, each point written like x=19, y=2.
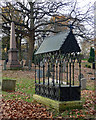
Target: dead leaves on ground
x=89, y=106
x=90, y=102
x=16, y=94
x=16, y=109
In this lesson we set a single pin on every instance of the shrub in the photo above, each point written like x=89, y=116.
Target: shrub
x=91, y=59
x=92, y=56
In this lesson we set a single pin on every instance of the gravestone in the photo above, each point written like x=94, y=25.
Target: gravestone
x=83, y=83
x=8, y=84
x=13, y=62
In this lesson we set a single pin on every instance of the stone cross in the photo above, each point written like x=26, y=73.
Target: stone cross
x=12, y=37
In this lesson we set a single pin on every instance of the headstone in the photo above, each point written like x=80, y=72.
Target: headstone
x=13, y=52
x=83, y=83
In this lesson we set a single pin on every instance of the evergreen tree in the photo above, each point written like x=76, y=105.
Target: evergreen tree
x=92, y=55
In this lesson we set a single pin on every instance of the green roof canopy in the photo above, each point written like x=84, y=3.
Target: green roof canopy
x=64, y=41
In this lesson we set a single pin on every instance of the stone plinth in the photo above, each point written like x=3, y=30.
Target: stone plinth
x=58, y=105
x=13, y=60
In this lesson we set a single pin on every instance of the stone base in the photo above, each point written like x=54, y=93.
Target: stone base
x=58, y=105
x=13, y=66
x=13, y=62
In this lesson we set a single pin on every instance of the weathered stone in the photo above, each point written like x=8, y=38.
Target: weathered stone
x=8, y=84
x=59, y=106
x=83, y=83
x=13, y=62
x=12, y=37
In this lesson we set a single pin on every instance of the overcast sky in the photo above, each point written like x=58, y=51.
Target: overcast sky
x=84, y=2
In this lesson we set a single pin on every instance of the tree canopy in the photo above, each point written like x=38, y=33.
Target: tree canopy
x=32, y=19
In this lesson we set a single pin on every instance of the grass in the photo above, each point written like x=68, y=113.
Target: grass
x=87, y=63
x=85, y=59
x=24, y=90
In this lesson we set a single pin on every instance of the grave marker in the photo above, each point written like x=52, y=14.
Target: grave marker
x=13, y=62
x=83, y=83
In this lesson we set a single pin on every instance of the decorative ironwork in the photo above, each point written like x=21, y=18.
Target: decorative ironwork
x=43, y=74
x=56, y=71
x=60, y=85
x=59, y=70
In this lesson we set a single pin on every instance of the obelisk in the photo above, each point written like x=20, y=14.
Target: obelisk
x=13, y=62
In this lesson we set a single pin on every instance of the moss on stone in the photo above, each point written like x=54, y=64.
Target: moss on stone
x=58, y=105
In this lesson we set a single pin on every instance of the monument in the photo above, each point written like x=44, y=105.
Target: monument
x=60, y=90
x=13, y=62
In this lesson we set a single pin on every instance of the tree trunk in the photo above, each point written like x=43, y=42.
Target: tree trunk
x=18, y=45
x=31, y=36
x=31, y=46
